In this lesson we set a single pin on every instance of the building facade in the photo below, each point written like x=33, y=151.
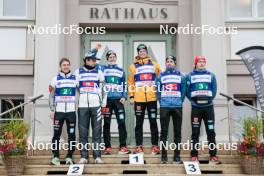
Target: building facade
x=29, y=60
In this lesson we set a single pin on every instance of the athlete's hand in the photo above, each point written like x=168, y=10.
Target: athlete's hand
x=122, y=100
x=98, y=45
x=52, y=114
x=131, y=101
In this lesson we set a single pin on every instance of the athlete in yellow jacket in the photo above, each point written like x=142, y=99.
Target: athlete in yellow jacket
x=142, y=93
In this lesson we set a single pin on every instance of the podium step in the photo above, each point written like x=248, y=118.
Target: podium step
x=119, y=159
x=115, y=164
x=134, y=169
x=147, y=150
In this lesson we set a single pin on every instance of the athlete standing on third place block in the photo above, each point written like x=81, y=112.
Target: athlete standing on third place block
x=201, y=91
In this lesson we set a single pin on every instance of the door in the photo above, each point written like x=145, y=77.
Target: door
x=124, y=43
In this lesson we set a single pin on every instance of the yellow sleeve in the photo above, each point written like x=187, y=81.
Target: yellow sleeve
x=131, y=80
x=157, y=68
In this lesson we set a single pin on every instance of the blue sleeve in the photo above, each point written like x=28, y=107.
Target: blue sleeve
x=124, y=93
x=158, y=84
x=214, y=85
x=188, y=83
x=183, y=87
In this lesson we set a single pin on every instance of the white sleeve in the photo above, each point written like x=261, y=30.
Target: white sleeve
x=102, y=86
x=76, y=73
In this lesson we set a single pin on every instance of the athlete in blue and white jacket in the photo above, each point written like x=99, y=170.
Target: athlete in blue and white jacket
x=171, y=93
x=115, y=84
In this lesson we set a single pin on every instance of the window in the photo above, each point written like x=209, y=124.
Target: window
x=13, y=43
x=240, y=111
x=260, y=6
x=8, y=102
x=245, y=38
x=13, y=8
x=245, y=9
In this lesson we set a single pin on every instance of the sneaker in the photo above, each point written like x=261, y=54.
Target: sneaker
x=108, y=151
x=69, y=160
x=155, y=150
x=98, y=160
x=83, y=161
x=194, y=159
x=214, y=160
x=164, y=160
x=138, y=149
x=55, y=161
x=177, y=160
x=123, y=151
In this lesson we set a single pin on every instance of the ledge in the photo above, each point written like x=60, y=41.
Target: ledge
x=17, y=67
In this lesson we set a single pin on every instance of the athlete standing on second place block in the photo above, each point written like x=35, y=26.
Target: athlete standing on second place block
x=62, y=102
x=92, y=97
x=115, y=80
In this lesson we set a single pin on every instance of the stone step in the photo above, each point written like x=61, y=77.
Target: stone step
x=135, y=169
x=147, y=150
x=149, y=159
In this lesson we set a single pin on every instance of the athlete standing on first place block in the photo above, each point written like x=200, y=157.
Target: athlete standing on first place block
x=62, y=102
x=142, y=93
x=201, y=91
x=115, y=80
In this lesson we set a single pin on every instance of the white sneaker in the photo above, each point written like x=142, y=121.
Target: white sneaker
x=69, y=161
x=98, y=160
x=55, y=161
x=83, y=161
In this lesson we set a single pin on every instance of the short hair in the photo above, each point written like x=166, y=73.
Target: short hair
x=64, y=59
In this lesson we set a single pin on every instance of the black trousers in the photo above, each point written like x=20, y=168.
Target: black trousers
x=118, y=108
x=140, y=108
x=165, y=114
x=93, y=115
x=207, y=115
x=59, y=118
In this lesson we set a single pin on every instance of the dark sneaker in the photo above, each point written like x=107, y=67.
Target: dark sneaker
x=164, y=160
x=177, y=160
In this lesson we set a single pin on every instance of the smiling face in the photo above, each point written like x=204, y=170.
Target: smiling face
x=142, y=53
x=65, y=67
x=201, y=64
x=112, y=58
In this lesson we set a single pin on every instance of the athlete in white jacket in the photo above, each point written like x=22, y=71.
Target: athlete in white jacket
x=62, y=102
x=92, y=97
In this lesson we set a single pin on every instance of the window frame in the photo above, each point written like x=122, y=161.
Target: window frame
x=11, y=97
x=243, y=97
x=2, y=17
x=254, y=10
